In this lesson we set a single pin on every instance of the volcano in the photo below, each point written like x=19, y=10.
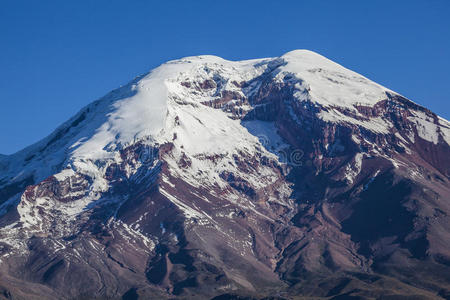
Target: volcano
x=276, y=178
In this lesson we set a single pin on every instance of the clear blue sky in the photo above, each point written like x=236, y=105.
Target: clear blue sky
x=57, y=56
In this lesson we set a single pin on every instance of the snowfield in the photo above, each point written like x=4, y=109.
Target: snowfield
x=167, y=106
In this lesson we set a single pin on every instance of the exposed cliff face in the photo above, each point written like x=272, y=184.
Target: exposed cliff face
x=281, y=177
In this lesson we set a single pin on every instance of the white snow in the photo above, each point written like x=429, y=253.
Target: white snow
x=188, y=211
x=426, y=128
x=354, y=168
x=267, y=134
x=445, y=129
x=400, y=137
x=356, y=139
x=157, y=108
x=366, y=186
x=64, y=174
x=140, y=115
x=378, y=124
x=329, y=83
x=139, y=109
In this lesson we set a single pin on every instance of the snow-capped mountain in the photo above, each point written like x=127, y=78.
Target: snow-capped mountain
x=288, y=176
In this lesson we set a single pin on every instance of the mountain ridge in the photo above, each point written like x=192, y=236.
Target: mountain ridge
x=208, y=177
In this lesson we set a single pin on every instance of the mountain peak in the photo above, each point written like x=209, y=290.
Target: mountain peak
x=302, y=53
x=232, y=177
x=140, y=109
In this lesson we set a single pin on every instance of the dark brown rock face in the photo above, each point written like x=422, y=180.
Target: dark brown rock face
x=288, y=197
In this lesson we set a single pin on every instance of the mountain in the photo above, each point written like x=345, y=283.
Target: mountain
x=284, y=177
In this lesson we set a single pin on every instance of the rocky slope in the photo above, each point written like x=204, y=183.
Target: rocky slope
x=284, y=177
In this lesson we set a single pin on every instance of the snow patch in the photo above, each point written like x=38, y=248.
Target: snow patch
x=426, y=128
x=377, y=125
x=329, y=83
x=354, y=168
x=444, y=129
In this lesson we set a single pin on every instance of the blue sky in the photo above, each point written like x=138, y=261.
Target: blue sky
x=57, y=56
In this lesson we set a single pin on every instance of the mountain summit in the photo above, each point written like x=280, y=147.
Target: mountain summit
x=278, y=177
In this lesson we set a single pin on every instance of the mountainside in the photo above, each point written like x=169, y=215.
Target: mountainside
x=283, y=177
